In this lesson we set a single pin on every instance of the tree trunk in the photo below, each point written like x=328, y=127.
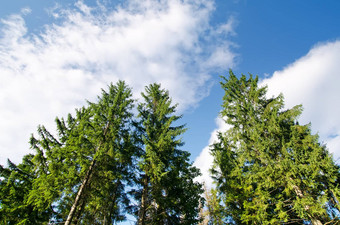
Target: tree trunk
x=316, y=222
x=142, y=211
x=299, y=193
x=84, y=183
x=80, y=210
x=80, y=193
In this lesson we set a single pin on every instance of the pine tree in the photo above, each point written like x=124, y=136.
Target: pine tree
x=268, y=168
x=168, y=193
x=115, y=167
x=83, y=172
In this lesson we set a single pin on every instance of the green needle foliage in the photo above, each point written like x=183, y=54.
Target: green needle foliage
x=15, y=185
x=268, y=168
x=115, y=166
x=168, y=193
x=83, y=172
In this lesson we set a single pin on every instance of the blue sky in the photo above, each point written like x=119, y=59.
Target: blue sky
x=56, y=54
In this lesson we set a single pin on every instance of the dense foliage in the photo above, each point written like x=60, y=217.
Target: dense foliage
x=168, y=194
x=85, y=173
x=268, y=168
x=117, y=157
x=15, y=185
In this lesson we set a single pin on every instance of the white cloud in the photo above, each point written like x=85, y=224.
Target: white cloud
x=313, y=81
x=49, y=74
x=205, y=160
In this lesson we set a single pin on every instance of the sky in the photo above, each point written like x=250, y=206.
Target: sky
x=55, y=55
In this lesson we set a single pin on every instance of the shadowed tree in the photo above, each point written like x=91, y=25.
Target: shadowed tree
x=168, y=193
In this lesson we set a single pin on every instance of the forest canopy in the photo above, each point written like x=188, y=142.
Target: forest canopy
x=117, y=156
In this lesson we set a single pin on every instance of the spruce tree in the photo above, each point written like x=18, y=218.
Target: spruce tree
x=168, y=194
x=268, y=168
x=84, y=171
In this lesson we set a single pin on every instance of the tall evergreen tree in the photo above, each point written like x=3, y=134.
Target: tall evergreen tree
x=84, y=171
x=168, y=194
x=116, y=159
x=268, y=168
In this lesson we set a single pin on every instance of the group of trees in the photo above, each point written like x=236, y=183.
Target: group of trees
x=103, y=163
x=106, y=162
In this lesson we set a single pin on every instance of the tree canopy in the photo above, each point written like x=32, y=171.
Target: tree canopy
x=97, y=162
x=169, y=194
x=118, y=156
x=268, y=168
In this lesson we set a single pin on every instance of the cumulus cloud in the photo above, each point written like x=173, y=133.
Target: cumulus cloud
x=49, y=74
x=205, y=160
x=313, y=81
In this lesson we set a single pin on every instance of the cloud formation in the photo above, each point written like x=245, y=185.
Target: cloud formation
x=313, y=81
x=205, y=160
x=49, y=74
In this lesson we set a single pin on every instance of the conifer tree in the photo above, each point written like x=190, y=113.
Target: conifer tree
x=84, y=171
x=268, y=168
x=168, y=193
x=115, y=161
